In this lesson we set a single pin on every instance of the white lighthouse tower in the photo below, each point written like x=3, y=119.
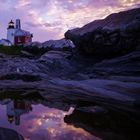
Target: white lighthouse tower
x=11, y=32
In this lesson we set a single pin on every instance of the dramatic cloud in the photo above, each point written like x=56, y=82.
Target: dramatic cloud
x=49, y=19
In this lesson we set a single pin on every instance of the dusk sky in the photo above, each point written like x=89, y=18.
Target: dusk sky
x=49, y=19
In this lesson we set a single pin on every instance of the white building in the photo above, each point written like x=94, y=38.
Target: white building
x=5, y=42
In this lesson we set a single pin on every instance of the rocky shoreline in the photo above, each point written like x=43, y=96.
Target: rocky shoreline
x=74, y=78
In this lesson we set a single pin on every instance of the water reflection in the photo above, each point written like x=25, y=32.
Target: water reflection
x=37, y=118
x=38, y=122
x=17, y=108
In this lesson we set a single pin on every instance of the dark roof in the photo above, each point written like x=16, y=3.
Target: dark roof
x=6, y=40
x=11, y=22
x=21, y=32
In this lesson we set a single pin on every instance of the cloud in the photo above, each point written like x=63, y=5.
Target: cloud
x=32, y=25
x=49, y=19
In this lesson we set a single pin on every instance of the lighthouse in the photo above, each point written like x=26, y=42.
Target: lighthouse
x=16, y=35
x=11, y=32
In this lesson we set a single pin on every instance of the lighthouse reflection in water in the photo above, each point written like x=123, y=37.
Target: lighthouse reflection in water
x=17, y=108
x=40, y=120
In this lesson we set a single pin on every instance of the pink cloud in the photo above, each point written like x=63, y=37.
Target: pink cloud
x=50, y=19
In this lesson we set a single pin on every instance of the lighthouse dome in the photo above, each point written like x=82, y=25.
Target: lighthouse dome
x=11, y=24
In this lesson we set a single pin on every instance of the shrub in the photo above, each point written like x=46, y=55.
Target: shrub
x=13, y=50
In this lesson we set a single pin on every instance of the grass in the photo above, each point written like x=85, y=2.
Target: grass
x=16, y=50
x=11, y=50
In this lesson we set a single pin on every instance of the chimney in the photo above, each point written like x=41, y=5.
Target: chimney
x=18, y=26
